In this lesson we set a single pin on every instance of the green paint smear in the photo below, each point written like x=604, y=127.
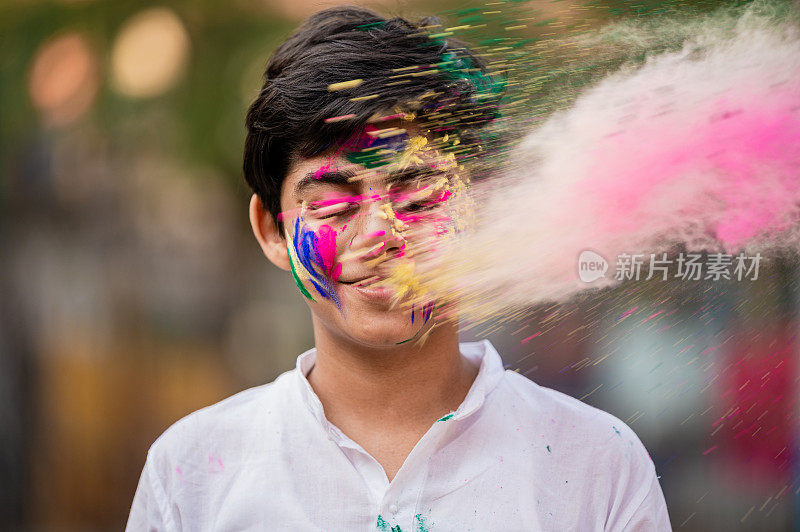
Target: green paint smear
x=368, y=158
x=415, y=335
x=297, y=279
x=445, y=418
x=385, y=527
x=407, y=339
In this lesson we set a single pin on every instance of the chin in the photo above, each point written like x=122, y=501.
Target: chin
x=368, y=318
x=386, y=329
x=371, y=326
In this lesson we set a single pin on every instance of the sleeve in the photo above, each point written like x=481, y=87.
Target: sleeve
x=638, y=503
x=149, y=509
x=651, y=514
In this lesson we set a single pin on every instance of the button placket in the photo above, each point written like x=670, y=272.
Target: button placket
x=370, y=470
x=403, y=496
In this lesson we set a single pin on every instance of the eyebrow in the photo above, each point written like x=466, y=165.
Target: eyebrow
x=333, y=177
x=411, y=173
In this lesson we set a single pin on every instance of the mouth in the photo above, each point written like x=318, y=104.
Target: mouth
x=370, y=289
x=363, y=281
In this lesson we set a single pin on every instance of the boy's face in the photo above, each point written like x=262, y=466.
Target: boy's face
x=360, y=221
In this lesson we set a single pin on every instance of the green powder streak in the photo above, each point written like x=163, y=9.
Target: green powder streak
x=297, y=279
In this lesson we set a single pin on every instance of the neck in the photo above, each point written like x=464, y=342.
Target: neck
x=409, y=385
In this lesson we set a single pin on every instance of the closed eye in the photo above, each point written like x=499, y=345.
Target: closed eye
x=322, y=211
x=416, y=206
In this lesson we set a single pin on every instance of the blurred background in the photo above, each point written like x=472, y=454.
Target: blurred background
x=132, y=291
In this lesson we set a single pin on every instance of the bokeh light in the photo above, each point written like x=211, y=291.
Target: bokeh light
x=63, y=80
x=150, y=54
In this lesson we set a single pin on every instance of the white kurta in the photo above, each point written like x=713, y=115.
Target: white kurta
x=514, y=456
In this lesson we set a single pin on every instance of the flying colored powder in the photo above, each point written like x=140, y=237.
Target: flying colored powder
x=699, y=146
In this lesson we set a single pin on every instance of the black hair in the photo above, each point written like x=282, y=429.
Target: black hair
x=409, y=66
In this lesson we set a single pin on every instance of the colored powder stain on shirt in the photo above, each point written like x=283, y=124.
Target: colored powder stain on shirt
x=419, y=525
x=215, y=464
x=384, y=526
x=548, y=449
x=445, y=418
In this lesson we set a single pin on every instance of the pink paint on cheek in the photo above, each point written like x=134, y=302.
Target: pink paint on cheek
x=376, y=234
x=288, y=213
x=326, y=247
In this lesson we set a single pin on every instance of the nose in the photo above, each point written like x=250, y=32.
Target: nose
x=375, y=231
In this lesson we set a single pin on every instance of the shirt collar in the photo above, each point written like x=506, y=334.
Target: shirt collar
x=483, y=353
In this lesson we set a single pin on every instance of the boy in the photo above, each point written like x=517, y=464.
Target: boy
x=353, y=153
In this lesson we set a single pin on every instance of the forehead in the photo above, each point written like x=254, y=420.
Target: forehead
x=378, y=157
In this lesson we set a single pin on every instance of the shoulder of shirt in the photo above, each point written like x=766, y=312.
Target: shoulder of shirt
x=597, y=430
x=232, y=415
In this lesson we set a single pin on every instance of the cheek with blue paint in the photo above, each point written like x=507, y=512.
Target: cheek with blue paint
x=316, y=253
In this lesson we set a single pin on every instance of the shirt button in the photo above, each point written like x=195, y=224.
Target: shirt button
x=393, y=508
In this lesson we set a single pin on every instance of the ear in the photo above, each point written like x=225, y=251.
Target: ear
x=269, y=237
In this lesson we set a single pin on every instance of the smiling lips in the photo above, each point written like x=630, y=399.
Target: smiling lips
x=370, y=288
x=380, y=294
x=363, y=282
